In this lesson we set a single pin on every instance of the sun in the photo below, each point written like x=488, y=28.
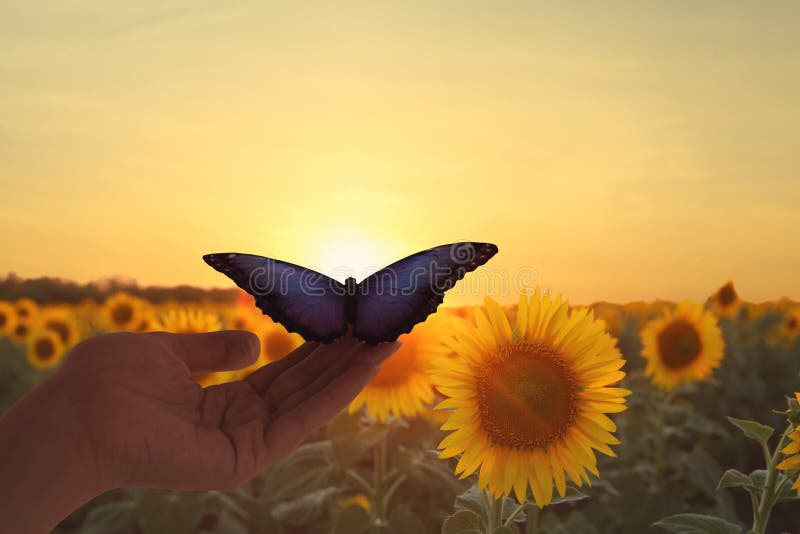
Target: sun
x=353, y=254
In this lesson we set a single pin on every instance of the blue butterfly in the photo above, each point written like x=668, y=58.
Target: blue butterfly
x=379, y=308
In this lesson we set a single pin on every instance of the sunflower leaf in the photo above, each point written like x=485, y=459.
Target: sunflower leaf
x=733, y=478
x=697, y=524
x=753, y=429
x=463, y=522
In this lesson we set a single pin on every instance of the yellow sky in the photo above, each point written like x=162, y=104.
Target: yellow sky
x=642, y=150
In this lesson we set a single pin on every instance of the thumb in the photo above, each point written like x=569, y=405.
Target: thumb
x=225, y=350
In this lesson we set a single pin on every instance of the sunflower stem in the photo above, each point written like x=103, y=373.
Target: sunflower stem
x=494, y=508
x=769, y=496
x=510, y=521
x=379, y=466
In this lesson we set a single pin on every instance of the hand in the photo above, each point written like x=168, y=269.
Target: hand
x=136, y=417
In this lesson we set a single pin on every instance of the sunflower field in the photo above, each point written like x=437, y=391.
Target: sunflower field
x=537, y=417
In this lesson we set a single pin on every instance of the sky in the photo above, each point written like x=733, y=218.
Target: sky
x=634, y=150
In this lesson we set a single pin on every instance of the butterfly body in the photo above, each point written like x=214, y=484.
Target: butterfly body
x=381, y=307
x=350, y=303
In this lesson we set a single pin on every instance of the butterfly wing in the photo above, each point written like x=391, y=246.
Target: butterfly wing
x=391, y=301
x=302, y=300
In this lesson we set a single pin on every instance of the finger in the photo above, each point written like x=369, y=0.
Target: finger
x=304, y=372
x=262, y=378
x=287, y=431
x=213, y=351
x=366, y=354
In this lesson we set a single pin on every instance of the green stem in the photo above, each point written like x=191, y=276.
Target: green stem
x=494, y=508
x=661, y=445
x=379, y=466
x=510, y=521
x=768, y=497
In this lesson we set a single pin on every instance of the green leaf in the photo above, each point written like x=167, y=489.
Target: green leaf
x=169, y=511
x=759, y=477
x=503, y=530
x=753, y=429
x=697, y=524
x=787, y=493
x=572, y=494
x=463, y=522
x=112, y=518
x=352, y=520
x=473, y=500
x=306, y=509
x=736, y=479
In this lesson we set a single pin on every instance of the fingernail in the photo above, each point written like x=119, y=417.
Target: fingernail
x=254, y=343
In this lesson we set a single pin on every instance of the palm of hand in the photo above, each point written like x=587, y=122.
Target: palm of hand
x=147, y=423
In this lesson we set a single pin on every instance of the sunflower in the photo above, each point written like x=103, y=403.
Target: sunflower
x=62, y=321
x=187, y=321
x=611, y=315
x=792, y=451
x=528, y=402
x=725, y=300
x=45, y=348
x=20, y=333
x=682, y=346
x=122, y=312
x=26, y=308
x=8, y=318
x=241, y=318
x=791, y=322
x=402, y=387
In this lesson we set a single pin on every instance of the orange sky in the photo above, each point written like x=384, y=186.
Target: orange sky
x=642, y=151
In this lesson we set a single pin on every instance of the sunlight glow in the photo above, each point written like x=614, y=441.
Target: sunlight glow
x=351, y=255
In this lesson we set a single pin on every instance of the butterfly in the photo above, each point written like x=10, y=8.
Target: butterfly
x=379, y=308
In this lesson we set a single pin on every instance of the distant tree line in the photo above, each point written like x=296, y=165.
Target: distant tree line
x=46, y=290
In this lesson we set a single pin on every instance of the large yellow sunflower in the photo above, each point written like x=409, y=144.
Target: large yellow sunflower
x=45, y=348
x=792, y=451
x=61, y=320
x=725, y=300
x=8, y=318
x=528, y=401
x=402, y=387
x=683, y=346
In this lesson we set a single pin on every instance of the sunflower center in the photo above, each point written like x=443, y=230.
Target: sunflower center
x=679, y=344
x=792, y=323
x=526, y=395
x=122, y=314
x=399, y=367
x=44, y=349
x=726, y=295
x=3, y=319
x=21, y=330
x=60, y=328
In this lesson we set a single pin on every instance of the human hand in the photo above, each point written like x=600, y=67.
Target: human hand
x=136, y=417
